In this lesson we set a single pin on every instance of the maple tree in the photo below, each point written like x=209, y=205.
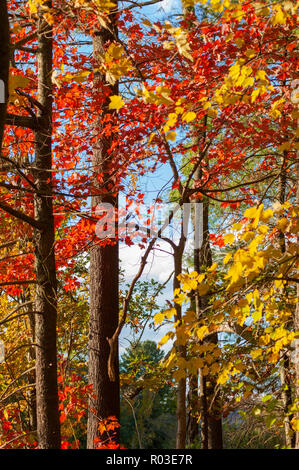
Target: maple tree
x=100, y=97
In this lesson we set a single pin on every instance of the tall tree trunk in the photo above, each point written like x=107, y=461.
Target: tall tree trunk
x=4, y=64
x=181, y=351
x=296, y=323
x=204, y=428
x=104, y=269
x=286, y=390
x=215, y=439
x=31, y=394
x=193, y=411
x=198, y=221
x=211, y=429
x=32, y=378
x=48, y=425
x=286, y=396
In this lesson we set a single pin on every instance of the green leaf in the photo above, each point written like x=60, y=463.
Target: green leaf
x=266, y=398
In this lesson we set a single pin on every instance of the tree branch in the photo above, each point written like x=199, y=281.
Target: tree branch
x=20, y=215
x=21, y=121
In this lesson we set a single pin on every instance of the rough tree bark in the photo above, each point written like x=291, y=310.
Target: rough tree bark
x=193, y=411
x=31, y=394
x=296, y=321
x=286, y=393
x=181, y=350
x=211, y=430
x=48, y=425
x=104, y=268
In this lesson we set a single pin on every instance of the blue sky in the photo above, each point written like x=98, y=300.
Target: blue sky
x=160, y=262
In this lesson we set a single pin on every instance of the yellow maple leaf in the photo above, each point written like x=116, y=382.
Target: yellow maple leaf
x=227, y=258
x=215, y=367
x=250, y=213
x=189, y=116
x=14, y=82
x=247, y=236
x=172, y=119
x=116, y=102
x=261, y=75
x=213, y=267
x=163, y=340
x=171, y=136
x=279, y=17
x=203, y=289
x=234, y=272
x=266, y=215
x=170, y=313
x=257, y=314
x=282, y=224
x=223, y=377
x=158, y=318
x=151, y=137
x=255, y=94
x=229, y=238
x=295, y=424
x=200, y=278
x=200, y=332
x=263, y=229
x=256, y=353
x=197, y=363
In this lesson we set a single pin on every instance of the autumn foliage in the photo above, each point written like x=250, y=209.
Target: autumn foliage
x=199, y=108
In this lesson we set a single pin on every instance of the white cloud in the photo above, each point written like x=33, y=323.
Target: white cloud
x=158, y=267
x=159, y=264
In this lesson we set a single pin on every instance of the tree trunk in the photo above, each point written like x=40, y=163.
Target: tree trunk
x=204, y=426
x=104, y=268
x=286, y=391
x=181, y=350
x=31, y=394
x=211, y=429
x=4, y=64
x=215, y=439
x=48, y=425
x=296, y=324
x=193, y=411
x=286, y=396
